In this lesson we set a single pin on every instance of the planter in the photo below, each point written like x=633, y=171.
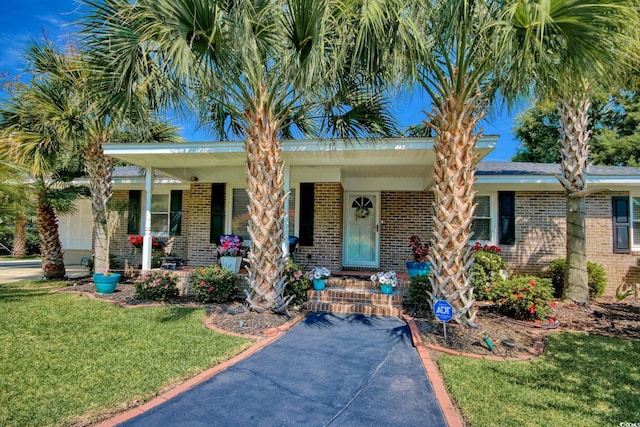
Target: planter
x=386, y=289
x=418, y=268
x=106, y=284
x=318, y=284
x=231, y=263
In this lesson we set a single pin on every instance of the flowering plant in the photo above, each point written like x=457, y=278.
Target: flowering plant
x=107, y=272
x=136, y=242
x=214, y=284
x=525, y=297
x=385, y=278
x=420, y=250
x=492, y=249
x=319, y=273
x=297, y=282
x=230, y=246
x=156, y=286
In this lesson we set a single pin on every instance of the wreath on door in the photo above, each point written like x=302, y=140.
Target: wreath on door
x=362, y=206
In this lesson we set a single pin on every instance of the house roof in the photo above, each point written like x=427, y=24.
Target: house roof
x=528, y=168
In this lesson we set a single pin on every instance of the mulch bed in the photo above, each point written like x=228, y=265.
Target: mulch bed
x=233, y=317
x=513, y=339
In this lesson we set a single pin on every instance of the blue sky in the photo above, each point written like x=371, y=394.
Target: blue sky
x=22, y=21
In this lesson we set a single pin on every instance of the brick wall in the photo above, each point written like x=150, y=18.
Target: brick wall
x=403, y=214
x=541, y=236
x=200, y=250
x=327, y=229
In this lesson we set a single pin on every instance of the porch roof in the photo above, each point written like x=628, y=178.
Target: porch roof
x=389, y=164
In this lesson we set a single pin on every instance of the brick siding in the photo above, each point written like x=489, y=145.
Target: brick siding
x=540, y=231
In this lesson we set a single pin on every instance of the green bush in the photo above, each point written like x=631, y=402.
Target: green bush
x=485, y=273
x=596, y=277
x=420, y=292
x=156, y=286
x=525, y=297
x=214, y=284
x=297, y=282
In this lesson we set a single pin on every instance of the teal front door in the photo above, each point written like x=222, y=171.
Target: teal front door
x=362, y=237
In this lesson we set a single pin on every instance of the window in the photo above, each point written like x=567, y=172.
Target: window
x=240, y=213
x=481, y=226
x=166, y=213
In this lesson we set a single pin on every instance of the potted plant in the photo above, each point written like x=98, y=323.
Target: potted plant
x=319, y=276
x=106, y=282
x=419, y=265
x=387, y=280
x=230, y=252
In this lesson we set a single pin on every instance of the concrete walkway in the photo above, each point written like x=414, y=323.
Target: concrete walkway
x=329, y=369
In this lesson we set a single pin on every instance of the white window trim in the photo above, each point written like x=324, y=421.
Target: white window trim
x=228, y=208
x=632, y=230
x=143, y=202
x=493, y=221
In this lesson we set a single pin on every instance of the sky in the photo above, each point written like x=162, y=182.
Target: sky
x=22, y=21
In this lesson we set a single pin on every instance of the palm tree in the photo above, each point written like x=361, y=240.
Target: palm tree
x=15, y=204
x=31, y=140
x=87, y=124
x=261, y=70
x=457, y=73
x=564, y=47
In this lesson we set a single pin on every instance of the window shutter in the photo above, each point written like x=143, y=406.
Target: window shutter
x=306, y=213
x=217, y=212
x=134, y=212
x=175, y=213
x=506, y=217
x=621, y=240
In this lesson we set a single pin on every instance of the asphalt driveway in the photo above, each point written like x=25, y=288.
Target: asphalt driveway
x=339, y=370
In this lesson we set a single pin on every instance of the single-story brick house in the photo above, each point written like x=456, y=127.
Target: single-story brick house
x=355, y=205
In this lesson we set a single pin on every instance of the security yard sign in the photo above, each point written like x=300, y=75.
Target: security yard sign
x=443, y=310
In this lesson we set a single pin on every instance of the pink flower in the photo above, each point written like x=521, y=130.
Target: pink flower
x=532, y=283
x=210, y=288
x=532, y=309
x=553, y=304
x=203, y=283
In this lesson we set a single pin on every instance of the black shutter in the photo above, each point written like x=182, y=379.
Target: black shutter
x=506, y=217
x=306, y=213
x=134, y=212
x=175, y=214
x=621, y=238
x=217, y=212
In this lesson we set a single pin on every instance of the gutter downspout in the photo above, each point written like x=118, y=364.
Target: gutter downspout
x=147, y=242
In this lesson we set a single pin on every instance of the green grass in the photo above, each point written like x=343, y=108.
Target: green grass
x=580, y=380
x=27, y=258
x=66, y=357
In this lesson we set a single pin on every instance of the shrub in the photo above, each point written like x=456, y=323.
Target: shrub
x=525, y=297
x=156, y=286
x=297, y=282
x=596, y=277
x=486, y=271
x=214, y=284
x=420, y=292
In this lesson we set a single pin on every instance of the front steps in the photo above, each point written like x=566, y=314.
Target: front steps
x=344, y=295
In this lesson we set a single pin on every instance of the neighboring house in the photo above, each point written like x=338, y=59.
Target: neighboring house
x=355, y=205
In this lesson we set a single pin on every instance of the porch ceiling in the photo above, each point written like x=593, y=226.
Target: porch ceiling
x=399, y=159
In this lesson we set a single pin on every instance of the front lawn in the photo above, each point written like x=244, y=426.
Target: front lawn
x=66, y=358
x=581, y=380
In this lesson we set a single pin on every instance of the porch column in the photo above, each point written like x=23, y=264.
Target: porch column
x=287, y=188
x=147, y=242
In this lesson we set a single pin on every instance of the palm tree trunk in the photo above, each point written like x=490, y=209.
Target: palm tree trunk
x=100, y=169
x=19, y=237
x=266, y=211
x=50, y=247
x=454, y=121
x=574, y=120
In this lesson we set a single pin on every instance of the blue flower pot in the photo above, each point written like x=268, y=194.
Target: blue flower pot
x=418, y=268
x=386, y=289
x=106, y=284
x=318, y=284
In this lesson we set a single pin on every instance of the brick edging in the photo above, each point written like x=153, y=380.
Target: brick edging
x=451, y=416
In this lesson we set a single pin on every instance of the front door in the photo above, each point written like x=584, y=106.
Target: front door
x=362, y=239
